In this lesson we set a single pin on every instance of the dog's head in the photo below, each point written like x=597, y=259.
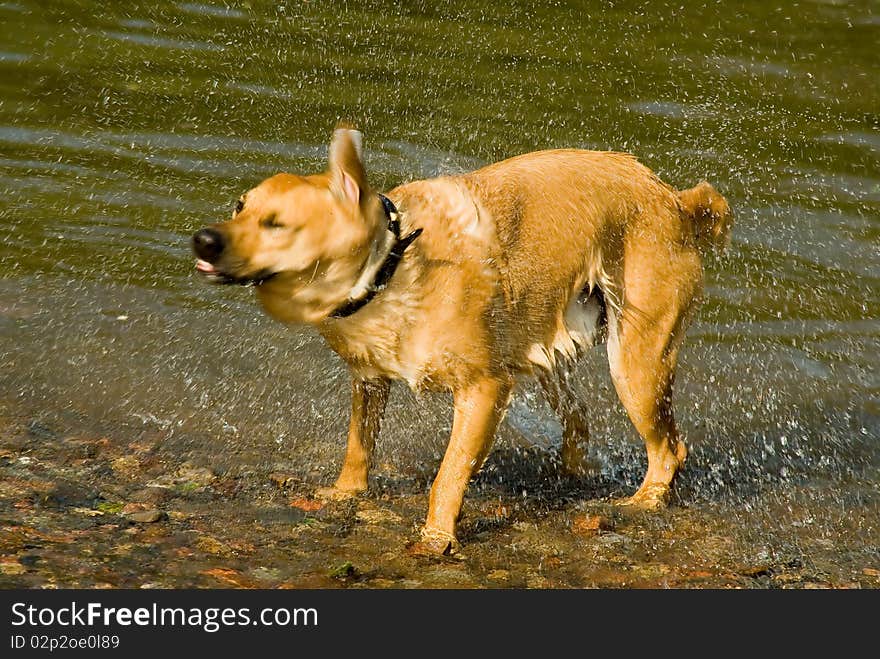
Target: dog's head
x=300, y=240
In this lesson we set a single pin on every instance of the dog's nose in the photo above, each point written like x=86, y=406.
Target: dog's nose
x=207, y=244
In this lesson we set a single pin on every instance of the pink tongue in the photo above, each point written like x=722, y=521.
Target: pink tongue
x=204, y=266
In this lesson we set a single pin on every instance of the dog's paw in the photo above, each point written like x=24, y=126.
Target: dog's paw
x=328, y=494
x=650, y=496
x=434, y=542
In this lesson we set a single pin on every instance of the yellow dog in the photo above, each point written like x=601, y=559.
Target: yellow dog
x=463, y=283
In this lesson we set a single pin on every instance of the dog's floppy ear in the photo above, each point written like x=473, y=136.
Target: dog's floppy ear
x=347, y=175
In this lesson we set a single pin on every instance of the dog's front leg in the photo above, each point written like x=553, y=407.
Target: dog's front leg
x=478, y=410
x=368, y=399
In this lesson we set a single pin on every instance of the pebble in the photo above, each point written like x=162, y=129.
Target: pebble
x=213, y=546
x=613, y=538
x=200, y=476
x=343, y=571
x=266, y=574
x=126, y=466
x=89, y=512
x=144, y=516
x=309, y=505
x=591, y=524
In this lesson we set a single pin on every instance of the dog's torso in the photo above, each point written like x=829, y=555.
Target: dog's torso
x=501, y=276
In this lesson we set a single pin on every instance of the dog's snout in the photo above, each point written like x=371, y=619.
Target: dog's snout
x=208, y=244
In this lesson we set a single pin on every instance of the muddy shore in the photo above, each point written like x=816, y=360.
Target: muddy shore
x=93, y=510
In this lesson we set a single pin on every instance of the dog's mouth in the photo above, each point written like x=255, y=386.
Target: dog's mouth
x=217, y=276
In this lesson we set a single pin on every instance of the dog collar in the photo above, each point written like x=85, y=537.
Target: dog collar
x=381, y=264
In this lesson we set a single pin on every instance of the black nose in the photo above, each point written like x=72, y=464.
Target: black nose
x=208, y=244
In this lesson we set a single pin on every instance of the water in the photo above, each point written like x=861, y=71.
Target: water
x=125, y=128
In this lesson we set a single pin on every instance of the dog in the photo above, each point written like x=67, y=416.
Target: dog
x=464, y=283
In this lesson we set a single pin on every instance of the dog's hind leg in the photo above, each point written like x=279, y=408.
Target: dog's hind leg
x=479, y=408
x=575, y=427
x=368, y=399
x=643, y=344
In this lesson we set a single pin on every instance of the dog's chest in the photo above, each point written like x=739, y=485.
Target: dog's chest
x=428, y=337
x=380, y=344
x=375, y=348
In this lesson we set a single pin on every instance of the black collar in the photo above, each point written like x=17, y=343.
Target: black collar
x=387, y=266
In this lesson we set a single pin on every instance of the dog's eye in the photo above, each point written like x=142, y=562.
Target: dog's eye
x=271, y=222
x=239, y=205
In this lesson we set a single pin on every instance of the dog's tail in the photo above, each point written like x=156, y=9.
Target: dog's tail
x=709, y=216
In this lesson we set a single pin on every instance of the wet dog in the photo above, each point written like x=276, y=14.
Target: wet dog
x=463, y=283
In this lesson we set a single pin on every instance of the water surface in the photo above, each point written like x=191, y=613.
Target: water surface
x=126, y=126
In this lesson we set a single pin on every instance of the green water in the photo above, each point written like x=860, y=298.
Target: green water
x=123, y=128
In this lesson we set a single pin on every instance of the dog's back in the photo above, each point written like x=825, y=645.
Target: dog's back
x=554, y=226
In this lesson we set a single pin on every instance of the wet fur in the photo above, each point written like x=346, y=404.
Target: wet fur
x=521, y=266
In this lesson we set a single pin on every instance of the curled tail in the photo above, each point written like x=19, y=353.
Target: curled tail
x=709, y=215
